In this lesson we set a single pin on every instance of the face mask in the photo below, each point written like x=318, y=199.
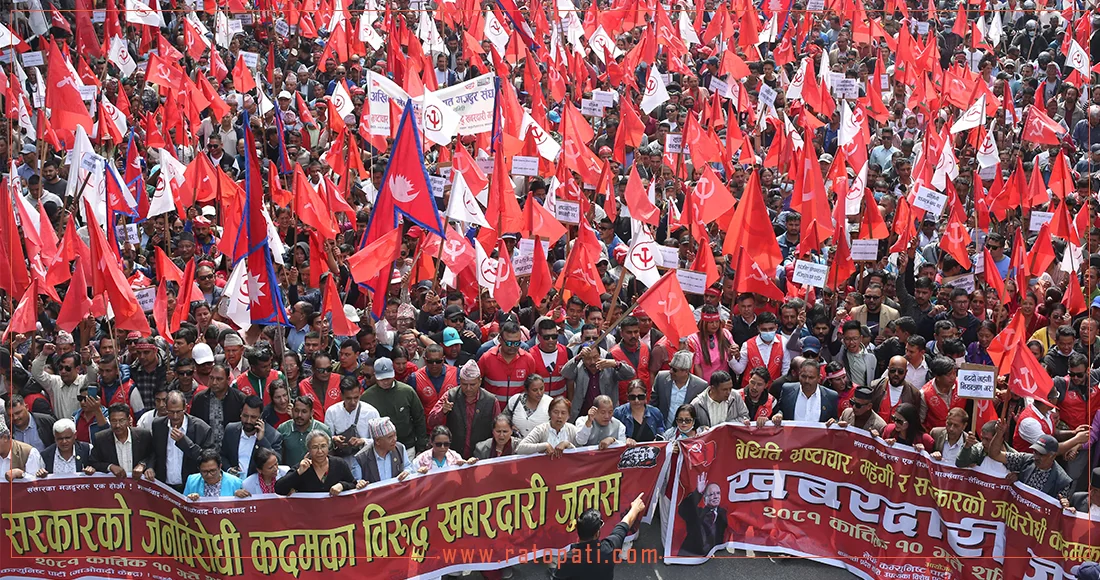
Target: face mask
x=960, y=361
x=1031, y=33
x=767, y=337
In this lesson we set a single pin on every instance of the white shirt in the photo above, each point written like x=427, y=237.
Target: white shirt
x=717, y=411
x=738, y=365
x=951, y=451
x=62, y=466
x=173, y=456
x=339, y=419
x=1094, y=512
x=895, y=394
x=1031, y=428
x=34, y=463
x=554, y=437
x=125, y=452
x=916, y=375
x=245, y=446
x=808, y=408
x=993, y=467
x=525, y=420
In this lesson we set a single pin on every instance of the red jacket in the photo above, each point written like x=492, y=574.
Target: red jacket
x=555, y=383
x=425, y=388
x=331, y=394
x=504, y=379
x=641, y=371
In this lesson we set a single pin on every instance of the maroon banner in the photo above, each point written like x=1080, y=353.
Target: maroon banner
x=479, y=517
x=852, y=501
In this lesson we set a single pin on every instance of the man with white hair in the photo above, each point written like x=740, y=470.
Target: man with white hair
x=66, y=456
x=468, y=410
x=676, y=386
x=16, y=458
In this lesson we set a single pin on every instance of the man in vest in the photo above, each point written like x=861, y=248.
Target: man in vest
x=939, y=393
x=260, y=375
x=16, y=458
x=1038, y=468
x=467, y=410
x=115, y=385
x=550, y=356
x=759, y=402
x=893, y=390
x=631, y=351
x=322, y=387
x=766, y=349
x=506, y=365
x=1038, y=419
x=384, y=459
x=1078, y=397
x=437, y=377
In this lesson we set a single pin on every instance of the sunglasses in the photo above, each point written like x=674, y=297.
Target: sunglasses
x=434, y=361
x=857, y=405
x=442, y=444
x=511, y=342
x=636, y=397
x=992, y=248
x=685, y=420
x=65, y=368
x=81, y=398
x=207, y=277
x=550, y=336
x=1077, y=375
x=900, y=420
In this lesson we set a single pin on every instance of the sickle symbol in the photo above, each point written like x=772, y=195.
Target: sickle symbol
x=453, y=248
x=537, y=134
x=434, y=118
x=642, y=258
x=651, y=86
x=757, y=273
x=489, y=271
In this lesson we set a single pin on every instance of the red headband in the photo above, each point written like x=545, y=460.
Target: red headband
x=710, y=317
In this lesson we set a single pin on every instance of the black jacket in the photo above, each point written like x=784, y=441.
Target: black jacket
x=232, y=439
x=104, y=455
x=82, y=450
x=231, y=406
x=596, y=557
x=195, y=439
x=696, y=543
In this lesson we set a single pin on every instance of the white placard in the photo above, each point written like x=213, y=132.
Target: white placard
x=128, y=233
x=251, y=59
x=33, y=58
x=245, y=19
x=146, y=298
x=445, y=171
x=486, y=166
x=978, y=262
x=810, y=274
x=766, y=95
x=99, y=16
x=667, y=78
x=930, y=201
x=864, y=250
x=884, y=81
x=235, y=27
x=674, y=143
x=964, y=281
x=523, y=258
x=976, y=381
x=922, y=28
x=524, y=165
x=832, y=78
x=88, y=92
x=282, y=28
x=604, y=98
x=815, y=5
x=718, y=86
x=568, y=212
x=590, y=108
x=1038, y=218
x=692, y=282
x=669, y=256
x=847, y=88
x=438, y=184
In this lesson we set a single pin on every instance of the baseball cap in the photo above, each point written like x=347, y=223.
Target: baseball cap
x=1045, y=445
x=1088, y=571
x=351, y=313
x=383, y=369
x=450, y=337
x=285, y=95
x=811, y=344
x=202, y=354
x=453, y=312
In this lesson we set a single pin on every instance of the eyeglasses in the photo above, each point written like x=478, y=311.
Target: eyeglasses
x=685, y=420
x=367, y=377
x=550, y=336
x=870, y=297
x=434, y=361
x=512, y=343
x=1077, y=375
x=65, y=368
x=210, y=471
x=442, y=444
x=636, y=397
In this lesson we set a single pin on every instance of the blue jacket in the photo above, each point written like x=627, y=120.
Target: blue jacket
x=195, y=484
x=653, y=418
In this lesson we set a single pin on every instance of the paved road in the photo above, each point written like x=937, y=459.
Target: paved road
x=726, y=566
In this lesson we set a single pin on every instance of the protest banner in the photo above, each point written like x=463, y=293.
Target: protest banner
x=851, y=501
x=497, y=512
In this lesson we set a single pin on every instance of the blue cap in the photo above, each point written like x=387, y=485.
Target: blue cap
x=1088, y=571
x=451, y=337
x=1096, y=302
x=811, y=344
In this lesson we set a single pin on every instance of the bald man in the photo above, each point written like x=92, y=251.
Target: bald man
x=893, y=390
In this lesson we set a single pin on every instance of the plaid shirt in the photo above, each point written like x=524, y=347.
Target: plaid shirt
x=147, y=383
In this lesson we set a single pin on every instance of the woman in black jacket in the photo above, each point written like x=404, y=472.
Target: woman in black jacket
x=316, y=473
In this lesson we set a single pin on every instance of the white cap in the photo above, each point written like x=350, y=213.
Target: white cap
x=285, y=95
x=202, y=353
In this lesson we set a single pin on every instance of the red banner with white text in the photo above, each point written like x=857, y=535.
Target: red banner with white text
x=882, y=512
x=479, y=517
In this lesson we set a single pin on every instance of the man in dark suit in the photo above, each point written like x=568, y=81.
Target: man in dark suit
x=218, y=405
x=123, y=450
x=1083, y=501
x=34, y=429
x=668, y=384
x=807, y=400
x=67, y=455
x=385, y=458
x=706, y=525
x=242, y=437
x=187, y=435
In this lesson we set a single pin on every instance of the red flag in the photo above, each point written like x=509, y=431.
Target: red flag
x=341, y=326
x=538, y=221
x=183, y=302
x=638, y=202
x=67, y=110
x=458, y=253
x=406, y=181
x=992, y=276
x=1013, y=336
x=668, y=308
x=77, y=304
x=1074, y=300
x=242, y=77
x=309, y=206
x=751, y=228
x=955, y=239
x=540, y=283
x=375, y=257
x=25, y=317
x=1028, y=378
x=710, y=198
x=1039, y=128
x=751, y=278
x=160, y=311
x=505, y=289
x=1042, y=252
x=109, y=279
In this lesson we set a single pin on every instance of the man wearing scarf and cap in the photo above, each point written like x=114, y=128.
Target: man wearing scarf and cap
x=384, y=458
x=467, y=410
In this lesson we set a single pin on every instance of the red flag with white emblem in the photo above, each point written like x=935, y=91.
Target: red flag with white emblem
x=668, y=308
x=506, y=289
x=955, y=239
x=1028, y=378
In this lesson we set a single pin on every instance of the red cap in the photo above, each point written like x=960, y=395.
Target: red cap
x=414, y=232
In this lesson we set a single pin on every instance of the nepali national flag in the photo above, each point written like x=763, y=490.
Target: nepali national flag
x=406, y=180
x=264, y=297
x=252, y=232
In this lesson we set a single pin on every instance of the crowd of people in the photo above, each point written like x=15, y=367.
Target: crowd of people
x=746, y=146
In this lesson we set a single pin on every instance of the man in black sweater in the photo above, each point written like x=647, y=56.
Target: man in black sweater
x=591, y=557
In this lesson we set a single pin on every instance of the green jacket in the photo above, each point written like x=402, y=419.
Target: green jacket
x=402, y=405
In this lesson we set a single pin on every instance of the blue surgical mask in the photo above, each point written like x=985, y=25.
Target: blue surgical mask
x=767, y=337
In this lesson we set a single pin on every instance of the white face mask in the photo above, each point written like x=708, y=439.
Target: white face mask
x=960, y=361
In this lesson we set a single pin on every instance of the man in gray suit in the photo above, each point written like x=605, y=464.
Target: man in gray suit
x=242, y=438
x=578, y=373
x=385, y=458
x=676, y=387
